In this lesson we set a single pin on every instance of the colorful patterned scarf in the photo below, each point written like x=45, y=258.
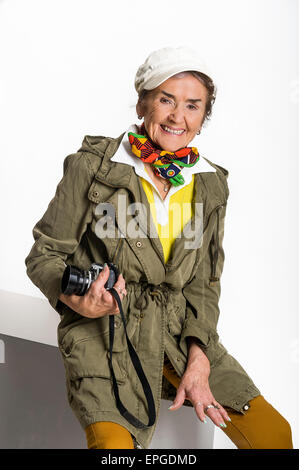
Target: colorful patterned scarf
x=166, y=164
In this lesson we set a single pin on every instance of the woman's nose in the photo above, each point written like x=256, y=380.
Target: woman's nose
x=177, y=115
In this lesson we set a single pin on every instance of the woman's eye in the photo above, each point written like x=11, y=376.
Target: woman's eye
x=165, y=100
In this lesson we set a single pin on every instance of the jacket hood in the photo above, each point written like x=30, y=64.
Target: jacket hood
x=97, y=144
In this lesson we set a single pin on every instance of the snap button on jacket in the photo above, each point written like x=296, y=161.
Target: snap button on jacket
x=165, y=303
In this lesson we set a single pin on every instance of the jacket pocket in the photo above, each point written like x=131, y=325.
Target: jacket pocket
x=85, y=348
x=89, y=358
x=216, y=251
x=176, y=317
x=99, y=328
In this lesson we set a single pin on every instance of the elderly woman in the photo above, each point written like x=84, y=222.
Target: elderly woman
x=148, y=204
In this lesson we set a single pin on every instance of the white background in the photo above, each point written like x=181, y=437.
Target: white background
x=67, y=70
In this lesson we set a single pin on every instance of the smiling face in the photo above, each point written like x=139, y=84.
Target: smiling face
x=174, y=111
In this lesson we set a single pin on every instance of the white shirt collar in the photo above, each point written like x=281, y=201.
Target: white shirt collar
x=124, y=155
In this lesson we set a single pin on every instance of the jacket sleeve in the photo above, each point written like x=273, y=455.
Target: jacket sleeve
x=202, y=297
x=59, y=231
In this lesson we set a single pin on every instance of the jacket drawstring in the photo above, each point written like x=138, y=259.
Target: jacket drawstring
x=158, y=293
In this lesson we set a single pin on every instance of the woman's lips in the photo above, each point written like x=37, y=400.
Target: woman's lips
x=173, y=132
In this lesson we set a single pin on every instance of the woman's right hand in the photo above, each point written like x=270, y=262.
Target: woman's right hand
x=97, y=302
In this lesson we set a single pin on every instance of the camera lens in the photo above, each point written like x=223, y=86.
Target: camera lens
x=75, y=281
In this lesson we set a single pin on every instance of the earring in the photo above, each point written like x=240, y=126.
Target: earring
x=198, y=132
x=139, y=117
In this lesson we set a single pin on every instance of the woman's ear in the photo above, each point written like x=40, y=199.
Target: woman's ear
x=139, y=110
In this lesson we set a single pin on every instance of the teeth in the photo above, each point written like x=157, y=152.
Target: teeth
x=172, y=131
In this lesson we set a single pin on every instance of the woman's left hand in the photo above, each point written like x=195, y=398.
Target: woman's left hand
x=194, y=386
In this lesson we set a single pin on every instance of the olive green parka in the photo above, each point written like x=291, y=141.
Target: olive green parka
x=165, y=303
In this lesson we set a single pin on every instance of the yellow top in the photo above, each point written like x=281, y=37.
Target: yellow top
x=179, y=213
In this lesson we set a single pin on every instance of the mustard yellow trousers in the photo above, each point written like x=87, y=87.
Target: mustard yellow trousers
x=262, y=427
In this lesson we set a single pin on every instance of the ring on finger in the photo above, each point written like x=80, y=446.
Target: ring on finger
x=208, y=407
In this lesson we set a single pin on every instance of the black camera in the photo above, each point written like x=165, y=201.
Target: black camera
x=78, y=281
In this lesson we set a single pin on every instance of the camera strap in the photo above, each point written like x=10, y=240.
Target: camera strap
x=141, y=375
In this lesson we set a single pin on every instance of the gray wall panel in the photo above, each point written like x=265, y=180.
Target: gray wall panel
x=35, y=413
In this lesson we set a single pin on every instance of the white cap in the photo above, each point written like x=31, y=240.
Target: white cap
x=164, y=63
